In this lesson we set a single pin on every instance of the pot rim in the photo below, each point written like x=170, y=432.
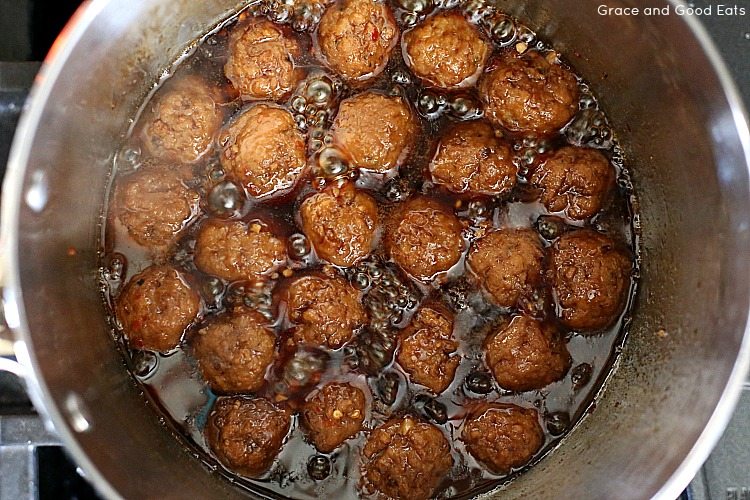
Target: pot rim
x=722, y=414
x=15, y=315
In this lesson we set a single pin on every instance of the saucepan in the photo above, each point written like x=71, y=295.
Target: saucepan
x=680, y=371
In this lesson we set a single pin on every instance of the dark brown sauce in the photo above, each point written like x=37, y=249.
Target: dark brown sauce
x=174, y=384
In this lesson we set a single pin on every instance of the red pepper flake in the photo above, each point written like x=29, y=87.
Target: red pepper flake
x=375, y=34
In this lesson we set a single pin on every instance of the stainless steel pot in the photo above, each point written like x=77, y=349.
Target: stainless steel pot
x=684, y=131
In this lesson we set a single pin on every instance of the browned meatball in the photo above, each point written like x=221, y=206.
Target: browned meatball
x=405, y=459
x=445, y=50
x=375, y=131
x=264, y=151
x=575, y=181
x=334, y=414
x=235, y=351
x=341, y=223
x=356, y=38
x=183, y=121
x=424, y=238
x=428, y=350
x=509, y=264
x=526, y=354
x=470, y=158
x=261, y=57
x=326, y=310
x=155, y=308
x=154, y=205
x=503, y=436
x=237, y=250
x=246, y=434
x=591, y=279
x=527, y=93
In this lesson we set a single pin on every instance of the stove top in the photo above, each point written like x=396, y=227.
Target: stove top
x=33, y=465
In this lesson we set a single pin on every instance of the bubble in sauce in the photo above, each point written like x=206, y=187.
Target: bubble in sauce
x=580, y=376
x=387, y=387
x=129, y=159
x=550, y=227
x=431, y=409
x=225, y=199
x=557, y=423
x=318, y=467
x=144, y=363
x=332, y=163
x=479, y=382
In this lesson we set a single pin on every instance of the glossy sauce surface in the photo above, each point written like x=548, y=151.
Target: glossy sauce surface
x=173, y=381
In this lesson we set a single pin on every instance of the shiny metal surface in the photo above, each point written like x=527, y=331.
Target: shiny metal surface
x=686, y=139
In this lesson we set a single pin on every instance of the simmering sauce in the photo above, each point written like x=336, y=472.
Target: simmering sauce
x=172, y=381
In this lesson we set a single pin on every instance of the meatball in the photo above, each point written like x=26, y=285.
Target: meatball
x=574, y=180
x=503, y=436
x=375, y=131
x=246, y=434
x=509, y=264
x=356, y=37
x=183, y=121
x=238, y=251
x=590, y=278
x=424, y=238
x=470, y=158
x=264, y=151
x=260, y=64
x=526, y=354
x=527, y=93
x=235, y=351
x=155, y=206
x=334, y=414
x=341, y=223
x=326, y=310
x=428, y=350
x=445, y=50
x=405, y=458
x=156, y=307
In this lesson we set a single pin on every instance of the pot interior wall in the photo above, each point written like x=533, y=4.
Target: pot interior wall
x=657, y=86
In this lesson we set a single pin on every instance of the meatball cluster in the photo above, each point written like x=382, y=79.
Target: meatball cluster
x=388, y=308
